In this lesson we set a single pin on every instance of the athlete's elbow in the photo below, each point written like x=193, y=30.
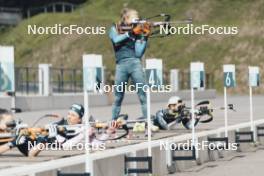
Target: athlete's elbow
x=115, y=41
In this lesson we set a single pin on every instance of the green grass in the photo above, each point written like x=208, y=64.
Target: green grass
x=176, y=51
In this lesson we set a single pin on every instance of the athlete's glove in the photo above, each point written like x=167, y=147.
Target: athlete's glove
x=53, y=132
x=137, y=30
x=146, y=29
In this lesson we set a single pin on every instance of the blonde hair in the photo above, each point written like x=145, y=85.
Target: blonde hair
x=126, y=12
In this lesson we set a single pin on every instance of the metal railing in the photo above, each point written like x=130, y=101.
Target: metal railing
x=70, y=80
x=26, y=80
x=66, y=80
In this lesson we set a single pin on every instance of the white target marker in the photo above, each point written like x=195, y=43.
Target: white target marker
x=253, y=81
x=149, y=122
x=229, y=81
x=7, y=71
x=90, y=63
x=93, y=72
x=154, y=72
x=197, y=81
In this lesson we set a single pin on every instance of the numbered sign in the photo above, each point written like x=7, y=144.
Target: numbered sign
x=254, y=76
x=154, y=72
x=7, y=78
x=92, y=72
x=197, y=75
x=229, y=76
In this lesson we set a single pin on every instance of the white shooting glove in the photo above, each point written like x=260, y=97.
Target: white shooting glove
x=52, y=130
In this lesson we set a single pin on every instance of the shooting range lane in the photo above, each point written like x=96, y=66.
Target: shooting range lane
x=11, y=159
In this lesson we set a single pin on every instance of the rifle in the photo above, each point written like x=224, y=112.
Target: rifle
x=203, y=110
x=15, y=128
x=153, y=26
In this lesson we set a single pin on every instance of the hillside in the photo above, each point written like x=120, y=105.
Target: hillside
x=245, y=48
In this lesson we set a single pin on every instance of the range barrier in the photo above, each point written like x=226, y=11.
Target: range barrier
x=219, y=139
x=80, y=159
x=259, y=129
x=181, y=158
x=129, y=159
x=59, y=173
x=239, y=136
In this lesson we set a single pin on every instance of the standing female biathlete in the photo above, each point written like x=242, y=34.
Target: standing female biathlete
x=129, y=47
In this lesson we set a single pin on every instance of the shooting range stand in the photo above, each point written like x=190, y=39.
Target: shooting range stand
x=136, y=159
x=71, y=174
x=259, y=129
x=218, y=139
x=239, y=134
x=184, y=158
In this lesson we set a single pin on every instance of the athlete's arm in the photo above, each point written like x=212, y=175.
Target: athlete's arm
x=187, y=122
x=172, y=125
x=115, y=37
x=161, y=121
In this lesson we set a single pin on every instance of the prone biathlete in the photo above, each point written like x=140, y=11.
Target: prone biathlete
x=74, y=117
x=7, y=118
x=172, y=116
x=129, y=48
x=23, y=142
